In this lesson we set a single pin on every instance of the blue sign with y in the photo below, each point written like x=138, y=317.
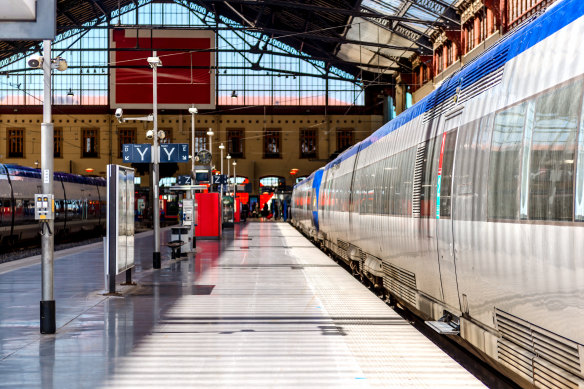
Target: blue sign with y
x=168, y=152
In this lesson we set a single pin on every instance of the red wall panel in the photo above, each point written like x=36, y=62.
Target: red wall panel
x=183, y=79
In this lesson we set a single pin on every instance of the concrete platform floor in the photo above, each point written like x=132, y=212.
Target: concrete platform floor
x=262, y=308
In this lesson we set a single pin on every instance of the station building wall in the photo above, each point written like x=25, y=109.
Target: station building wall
x=106, y=135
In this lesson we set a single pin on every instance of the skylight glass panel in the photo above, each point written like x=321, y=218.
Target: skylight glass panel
x=417, y=13
x=386, y=7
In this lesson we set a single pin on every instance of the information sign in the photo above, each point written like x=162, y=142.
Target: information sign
x=219, y=179
x=137, y=153
x=183, y=180
x=168, y=153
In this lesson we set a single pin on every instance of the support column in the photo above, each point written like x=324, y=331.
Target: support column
x=48, y=317
x=156, y=262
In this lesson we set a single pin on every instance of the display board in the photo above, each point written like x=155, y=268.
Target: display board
x=184, y=79
x=120, y=221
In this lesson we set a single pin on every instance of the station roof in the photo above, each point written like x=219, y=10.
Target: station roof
x=375, y=36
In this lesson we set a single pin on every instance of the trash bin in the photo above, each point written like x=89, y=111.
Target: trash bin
x=179, y=233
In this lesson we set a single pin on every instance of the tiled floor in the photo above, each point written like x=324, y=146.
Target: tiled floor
x=261, y=308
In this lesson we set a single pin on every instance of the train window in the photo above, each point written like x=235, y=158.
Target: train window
x=552, y=156
x=472, y=163
x=5, y=212
x=407, y=172
x=504, y=163
x=446, y=177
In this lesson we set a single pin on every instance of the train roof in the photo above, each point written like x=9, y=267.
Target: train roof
x=508, y=47
x=25, y=171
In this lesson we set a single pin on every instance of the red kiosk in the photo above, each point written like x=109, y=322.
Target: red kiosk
x=208, y=219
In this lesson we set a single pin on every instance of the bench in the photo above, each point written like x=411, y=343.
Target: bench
x=175, y=246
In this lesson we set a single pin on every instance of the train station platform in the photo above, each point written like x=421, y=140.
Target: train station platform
x=261, y=308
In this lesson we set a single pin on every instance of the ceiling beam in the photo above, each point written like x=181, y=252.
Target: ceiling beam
x=439, y=8
x=316, y=8
x=312, y=35
x=100, y=6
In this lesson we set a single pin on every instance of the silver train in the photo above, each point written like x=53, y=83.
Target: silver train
x=79, y=203
x=468, y=208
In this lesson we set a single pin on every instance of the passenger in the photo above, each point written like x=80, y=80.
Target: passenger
x=244, y=211
x=285, y=210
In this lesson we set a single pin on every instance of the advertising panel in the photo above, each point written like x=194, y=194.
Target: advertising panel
x=120, y=221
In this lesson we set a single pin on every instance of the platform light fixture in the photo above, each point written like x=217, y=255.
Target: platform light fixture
x=234, y=178
x=70, y=93
x=234, y=95
x=210, y=134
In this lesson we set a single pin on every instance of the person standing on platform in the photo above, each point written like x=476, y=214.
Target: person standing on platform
x=276, y=210
x=284, y=210
x=265, y=210
x=244, y=212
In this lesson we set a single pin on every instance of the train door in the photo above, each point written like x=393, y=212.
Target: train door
x=315, y=196
x=444, y=224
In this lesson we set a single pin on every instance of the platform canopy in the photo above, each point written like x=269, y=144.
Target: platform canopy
x=375, y=36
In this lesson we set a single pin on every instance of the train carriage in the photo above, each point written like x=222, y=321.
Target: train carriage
x=469, y=206
x=79, y=203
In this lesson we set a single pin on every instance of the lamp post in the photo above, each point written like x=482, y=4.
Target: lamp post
x=154, y=63
x=210, y=133
x=193, y=111
x=221, y=148
x=234, y=179
x=228, y=159
x=48, y=323
x=191, y=193
x=48, y=317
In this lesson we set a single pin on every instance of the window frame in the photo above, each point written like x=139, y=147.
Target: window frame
x=341, y=134
x=304, y=135
x=276, y=134
x=236, y=133
x=58, y=142
x=84, y=136
x=18, y=135
x=126, y=135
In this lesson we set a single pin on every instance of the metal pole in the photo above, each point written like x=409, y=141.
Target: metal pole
x=221, y=147
x=47, y=319
x=235, y=205
x=193, y=145
x=191, y=192
x=156, y=263
x=228, y=160
x=210, y=133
